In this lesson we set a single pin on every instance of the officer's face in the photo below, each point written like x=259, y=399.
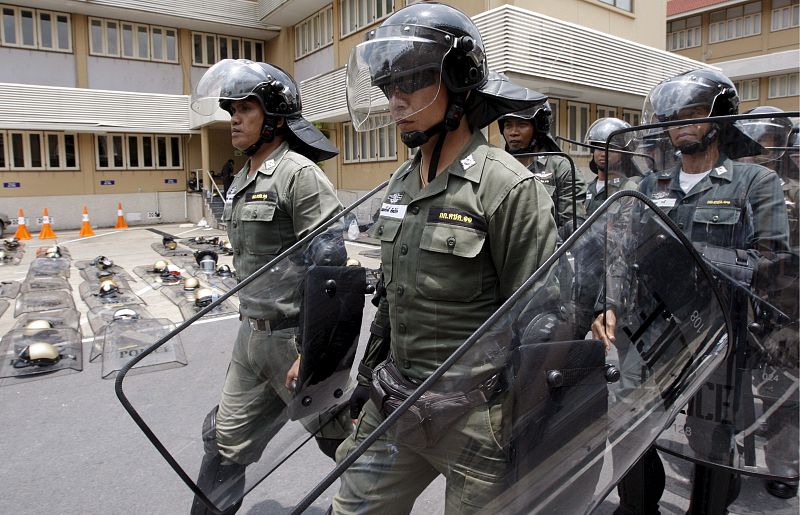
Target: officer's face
x=419, y=110
x=518, y=133
x=247, y=120
x=692, y=133
x=599, y=156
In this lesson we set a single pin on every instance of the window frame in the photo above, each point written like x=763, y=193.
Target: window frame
x=741, y=89
x=351, y=23
x=614, y=3
x=607, y=111
x=318, y=28
x=164, y=44
x=787, y=78
x=632, y=115
x=364, y=147
x=780, y=12
x=573, y=134
x=19, y=32
x=140, y=155
x=54, y=31
x=735, y=22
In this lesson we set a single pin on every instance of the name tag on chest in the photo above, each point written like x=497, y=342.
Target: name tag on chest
x=665, y=202
x=393, y=211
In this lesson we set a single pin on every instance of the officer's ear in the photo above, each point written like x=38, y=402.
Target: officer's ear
x=280, y=122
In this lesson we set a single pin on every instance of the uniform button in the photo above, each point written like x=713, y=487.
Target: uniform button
x=402, y=328
x=403, y=249
x=715, y=218
x=254, y=215
x=235, y=223
x=406, y=363
x=400, y=290
x=380, y=230
x=680, y=225
x=685, y=201
x=451, y=242
x=415, y=210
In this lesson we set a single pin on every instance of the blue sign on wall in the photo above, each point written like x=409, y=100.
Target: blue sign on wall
x=11, y=185
x=107, y=182
x=171, y=181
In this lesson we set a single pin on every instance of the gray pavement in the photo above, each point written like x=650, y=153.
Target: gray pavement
x=69, y=447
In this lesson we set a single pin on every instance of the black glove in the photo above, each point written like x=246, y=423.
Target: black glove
x=358, y=399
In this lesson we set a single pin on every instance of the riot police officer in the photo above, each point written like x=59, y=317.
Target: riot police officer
x=462, y=226
x=278, y=197
x=732, y=212
x=617, y=173
x=527, y=132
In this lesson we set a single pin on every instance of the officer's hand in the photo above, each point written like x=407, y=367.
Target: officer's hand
x=358, y=399
x=604, y=328
x=292, y=375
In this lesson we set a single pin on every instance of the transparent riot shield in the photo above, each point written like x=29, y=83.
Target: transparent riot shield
x=531, y=414
x=563, y=182
x=49, y=267
x=9, y=289
x=126, y=338
x=43, y=301
x=45, y=283
x=37, y=353
x=58, y=318
x=97, y=298
x=92, y=274
x=737, y=215
x=101, y=317
x=220, y=277
x=161, y=273
x=313, y=303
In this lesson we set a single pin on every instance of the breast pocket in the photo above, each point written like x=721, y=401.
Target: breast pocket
x=386, y=231
x=261, y=234
x=716, y=225
x=450, y=265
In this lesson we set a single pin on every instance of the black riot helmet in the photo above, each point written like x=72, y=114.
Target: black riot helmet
x=427, y=49
x=602, y=132
x=206, y=260
x=277, y=93
x=539, y=116
x=771, y=132
x=716, y=95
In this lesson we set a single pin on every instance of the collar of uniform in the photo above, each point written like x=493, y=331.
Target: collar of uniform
x=273, y=160
x=469, y=163
x=723, y=169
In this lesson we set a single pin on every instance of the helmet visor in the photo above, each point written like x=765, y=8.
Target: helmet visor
x=679, y=99
x=395, y=76
x=770, y=134
x=229, y=79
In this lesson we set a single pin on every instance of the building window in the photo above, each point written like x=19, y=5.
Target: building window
x=632, y=116
x=783, y=85
x=138, y=152
x=606, y=112
x=577, y=124
x=685, y=33
x=625, y=5
x=375, y=145
x=313, y=33
x=747, y=89
x=207, y=49
x=554, y=119
x=34, y=28
x=30, y=150
x=734, y=23
x=113, y=38
x=357, y=14
x=785, y=14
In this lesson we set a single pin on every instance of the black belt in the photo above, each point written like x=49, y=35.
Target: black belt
x=263, y=325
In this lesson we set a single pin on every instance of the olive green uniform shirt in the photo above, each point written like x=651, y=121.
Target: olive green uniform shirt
x=555, y=173
x=284, y=200
x=455, y=250
x=614, y=184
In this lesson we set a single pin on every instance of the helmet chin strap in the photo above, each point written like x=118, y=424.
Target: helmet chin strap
x=530, y=149
x=703, y=144
x=452, y=120
x=267, y=136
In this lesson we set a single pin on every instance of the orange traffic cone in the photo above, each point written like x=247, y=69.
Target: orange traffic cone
x=120, y=218
x=22, y=231
x=47, y=231
x=86, y=229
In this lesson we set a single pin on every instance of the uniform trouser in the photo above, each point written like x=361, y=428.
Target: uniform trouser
x=389, y=476
x=252, y=407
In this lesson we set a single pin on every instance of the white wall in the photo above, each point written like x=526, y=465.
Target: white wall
x=21, y=66
x=317, y=63
x=132, y=75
